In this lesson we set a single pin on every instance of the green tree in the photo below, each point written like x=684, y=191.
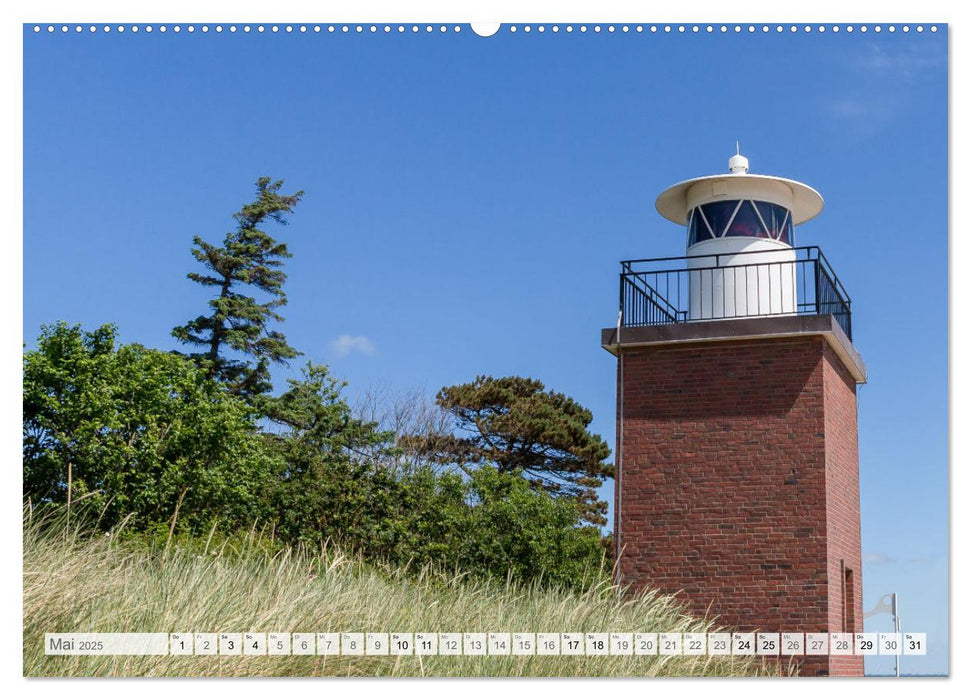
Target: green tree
x=324, y=488
x=517, y=425
x=248, y=259
x=515, y=530
x=337, y=482
x=136, y=432
x=315, y=418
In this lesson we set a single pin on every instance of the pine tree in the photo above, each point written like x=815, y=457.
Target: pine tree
x=518, y=426
x=237, y=344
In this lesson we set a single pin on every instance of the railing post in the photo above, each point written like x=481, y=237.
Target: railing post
x=816, y=284
x=623, y=278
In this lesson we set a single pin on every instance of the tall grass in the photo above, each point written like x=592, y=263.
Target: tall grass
x=76, y=581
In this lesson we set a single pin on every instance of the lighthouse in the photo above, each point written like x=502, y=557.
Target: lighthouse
x=737, y=469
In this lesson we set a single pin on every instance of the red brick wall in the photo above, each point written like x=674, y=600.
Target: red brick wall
x=739, y=481
x=842, y=507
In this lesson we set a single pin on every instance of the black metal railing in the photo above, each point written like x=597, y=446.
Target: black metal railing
x=789, y=281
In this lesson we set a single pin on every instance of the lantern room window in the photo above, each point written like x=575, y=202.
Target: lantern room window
x=746, y=218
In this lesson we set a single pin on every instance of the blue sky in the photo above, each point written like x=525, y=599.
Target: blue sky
x=468, y=200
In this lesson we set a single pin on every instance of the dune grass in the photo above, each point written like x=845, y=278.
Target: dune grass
x=81, y=582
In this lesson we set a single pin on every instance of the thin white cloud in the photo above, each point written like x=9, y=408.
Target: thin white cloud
x=887, y=71
x=867, y=116
x=346, y=344
x=878, y=558
x=907, y=61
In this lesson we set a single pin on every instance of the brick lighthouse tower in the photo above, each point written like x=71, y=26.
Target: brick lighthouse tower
x=737, y=484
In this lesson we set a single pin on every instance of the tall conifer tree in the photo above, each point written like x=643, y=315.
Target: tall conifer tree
x=235, y=341
x=516, y=425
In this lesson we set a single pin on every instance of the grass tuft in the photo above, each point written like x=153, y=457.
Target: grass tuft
x=79, y=581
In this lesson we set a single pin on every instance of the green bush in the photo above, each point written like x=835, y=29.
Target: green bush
x=490, y=524
x=137, y=431
x=143, y=435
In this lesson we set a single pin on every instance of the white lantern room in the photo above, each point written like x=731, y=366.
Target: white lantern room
x=740, y=230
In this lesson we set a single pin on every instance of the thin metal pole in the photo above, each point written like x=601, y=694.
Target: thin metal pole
x=896, y=629
x=620, y=451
